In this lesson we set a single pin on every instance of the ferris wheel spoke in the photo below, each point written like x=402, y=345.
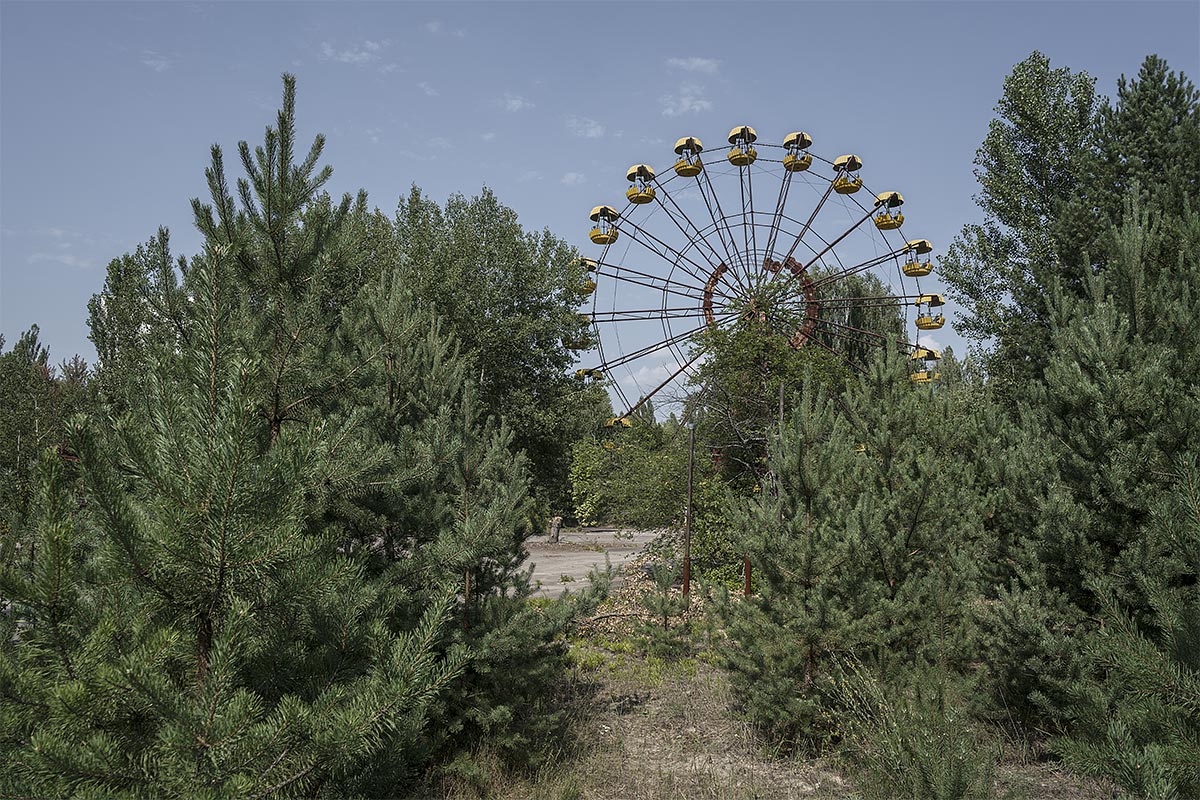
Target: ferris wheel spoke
x=696, y=228
x=836, y=241
x=653, y=282
x=626, y=225
x=799, y=272
x=881, y=301
x=808, y=223
x=650, y=349
x=878, y=338
x=748, y=233
x=785, y=187
x=638, y=315
x=856, y=268
x=646, y=397
x=720, y=221
x=839, y=356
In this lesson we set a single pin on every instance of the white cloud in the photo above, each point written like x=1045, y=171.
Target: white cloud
x=648, y=376
x=390, y=67
x=529, y=175
x=925, y=340
x=708, y=66
x=573, y=179
x=365, y=53
x=434, y=26
x=66, y=259
x=689, y=100
x=514, y=102
x=441, y=142
x=488, y=137
x=373, y=134
x=584, y=127
x=425, y=87
x=156, y=61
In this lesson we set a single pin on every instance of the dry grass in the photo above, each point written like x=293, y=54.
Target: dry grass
x=649, y=729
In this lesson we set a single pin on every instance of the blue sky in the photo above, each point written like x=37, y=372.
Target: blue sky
x=108, y=109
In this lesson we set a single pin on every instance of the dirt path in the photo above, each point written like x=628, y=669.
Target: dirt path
x=565, y=565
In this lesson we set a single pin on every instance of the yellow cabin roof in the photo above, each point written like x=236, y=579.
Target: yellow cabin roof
x=933, y=300
x=798, y=139
x=890, y=199
x=921, y=246
x=688, y=143
x=850, y=163
x=607, y=212
x=742, y=132
x=642, y=170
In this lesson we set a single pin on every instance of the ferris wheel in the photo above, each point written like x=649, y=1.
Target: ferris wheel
x=770, y=232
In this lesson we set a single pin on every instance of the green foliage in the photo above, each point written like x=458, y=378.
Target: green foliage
x=663, y=638
x=294, y=565
x=1001, y=272
x=1111, y=414
x=1138, y=722
x=38, y=399
x=749, y=373
x=865, y=543
x=631, y=476
x=922, y=746
x=511, y=297
x=139, y=308
x=213, y=637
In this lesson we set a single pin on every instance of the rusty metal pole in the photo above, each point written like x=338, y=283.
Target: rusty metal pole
x=687, y=519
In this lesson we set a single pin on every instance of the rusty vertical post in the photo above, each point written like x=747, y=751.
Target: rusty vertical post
x=687, y=519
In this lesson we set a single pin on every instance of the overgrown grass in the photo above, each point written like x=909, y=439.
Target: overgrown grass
x=908, y=747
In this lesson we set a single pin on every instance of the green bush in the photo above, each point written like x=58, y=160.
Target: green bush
x=916, y=747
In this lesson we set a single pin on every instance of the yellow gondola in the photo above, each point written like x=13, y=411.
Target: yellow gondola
x=797, y=160
x=689, y=164
x=930, y=357
x=742, y=154
x=641, y=191
x=588, y=264
x=614, y=421
x=589, y=286
x=589, y=373
x=926, y=319
x=605, y=231
x=930, y=322
x=846, y=182
x=885, y=220
x=914, y=267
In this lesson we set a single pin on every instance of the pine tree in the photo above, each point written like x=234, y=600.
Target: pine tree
x=38, y=399
x=1116, y=407
x=140, y=307
x=871, y=526
x=1139, y=724
x=295, y=565
x=211, y=636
